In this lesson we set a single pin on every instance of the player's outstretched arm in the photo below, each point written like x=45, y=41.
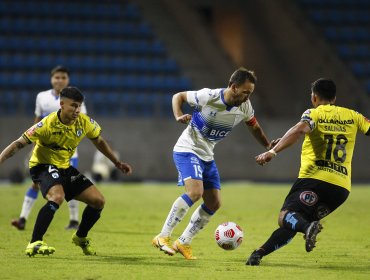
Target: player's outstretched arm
x=13, y=148
x=258, y=133
x=289, y=138
x=104, y=147
x=177, y=100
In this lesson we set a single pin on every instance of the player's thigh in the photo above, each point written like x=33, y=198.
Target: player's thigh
x=56, y=194
x=46, y=176
x=212, y=198
x=92, y=197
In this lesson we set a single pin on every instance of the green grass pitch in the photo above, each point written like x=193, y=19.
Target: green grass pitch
x=134, y=213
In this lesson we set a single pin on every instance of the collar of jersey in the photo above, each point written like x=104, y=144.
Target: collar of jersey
x=228, y=107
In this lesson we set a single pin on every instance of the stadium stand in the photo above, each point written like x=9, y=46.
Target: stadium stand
x=112, y=53
x=346, y=25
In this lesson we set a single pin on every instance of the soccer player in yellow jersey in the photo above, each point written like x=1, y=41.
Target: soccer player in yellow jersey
x=56, y=138
x=324, y=180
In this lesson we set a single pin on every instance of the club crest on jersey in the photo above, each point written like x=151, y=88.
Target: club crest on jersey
x=309, y=198
x=79, y=132
x=40, y=124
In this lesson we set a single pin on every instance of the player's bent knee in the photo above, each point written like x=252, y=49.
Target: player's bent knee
x=57, y=198
x=281, y=217
x=98, y=202
x=195, y=196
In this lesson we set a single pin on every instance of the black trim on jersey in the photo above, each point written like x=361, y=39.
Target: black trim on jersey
x=368, y=132
x=95, y=137
x=27, y=139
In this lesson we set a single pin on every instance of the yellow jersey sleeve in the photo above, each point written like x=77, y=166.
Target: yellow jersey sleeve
x=328, y=149
x=93, y=129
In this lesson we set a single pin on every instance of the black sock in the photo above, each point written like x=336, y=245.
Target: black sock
x=278, y=239
x=89, y=218
x=44, y=218
x=295, y=222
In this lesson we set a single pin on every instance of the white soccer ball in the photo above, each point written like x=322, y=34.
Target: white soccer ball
x=229, y=235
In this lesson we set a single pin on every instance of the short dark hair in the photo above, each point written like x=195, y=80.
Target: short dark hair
x=241, y=75
x=72, y=93
x=59, y=68
x=324, y=88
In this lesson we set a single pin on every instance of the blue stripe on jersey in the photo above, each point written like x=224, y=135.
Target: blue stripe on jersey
x=228, y=107
x=209, y=130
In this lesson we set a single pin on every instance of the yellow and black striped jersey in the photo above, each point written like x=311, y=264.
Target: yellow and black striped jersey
x=328, y=149
x=56, y=142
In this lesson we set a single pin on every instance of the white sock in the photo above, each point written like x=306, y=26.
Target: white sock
x=73, y=210
x=198, y=220
x=28, y=202
x=178, y=210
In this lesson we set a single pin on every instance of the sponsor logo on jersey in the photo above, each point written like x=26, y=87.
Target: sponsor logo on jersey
x=218, y=133
x=40, y=124
x=91, y=120
x=31, y=131
x=79, y=132
x=309, y=198
x=333, y=121
x=331, y=166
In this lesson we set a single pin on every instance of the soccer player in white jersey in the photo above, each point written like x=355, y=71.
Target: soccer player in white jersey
x=216, y=112
x=46, y=103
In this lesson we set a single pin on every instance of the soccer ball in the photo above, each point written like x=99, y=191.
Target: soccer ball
x=229, y=236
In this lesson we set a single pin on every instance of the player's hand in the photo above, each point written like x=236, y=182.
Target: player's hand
x=273, y=143
x=124, y=167
x=262, y=159
x=184, y=118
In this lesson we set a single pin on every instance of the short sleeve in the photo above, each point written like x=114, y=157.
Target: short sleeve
x=363, y=123
x=309, y=117
x=93, y=129
x=34, y=132
x=199, y=98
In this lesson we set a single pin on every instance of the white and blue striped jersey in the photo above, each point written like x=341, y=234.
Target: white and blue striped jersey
x=212, y=120
x=48, y=102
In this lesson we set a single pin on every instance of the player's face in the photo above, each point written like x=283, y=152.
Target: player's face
x=70, y=108
x=242, y=93
x=59, y=81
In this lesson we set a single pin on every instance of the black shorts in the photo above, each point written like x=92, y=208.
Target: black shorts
x=71, y=179
x=314, y=199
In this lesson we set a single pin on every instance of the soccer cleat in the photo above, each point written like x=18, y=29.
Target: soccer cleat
x=72, y=225
x=84, y=243
x=254, y=259
x=184, y=249
x=163, y=244
x=39, y=247
x=311, y=234
x=19, y=223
